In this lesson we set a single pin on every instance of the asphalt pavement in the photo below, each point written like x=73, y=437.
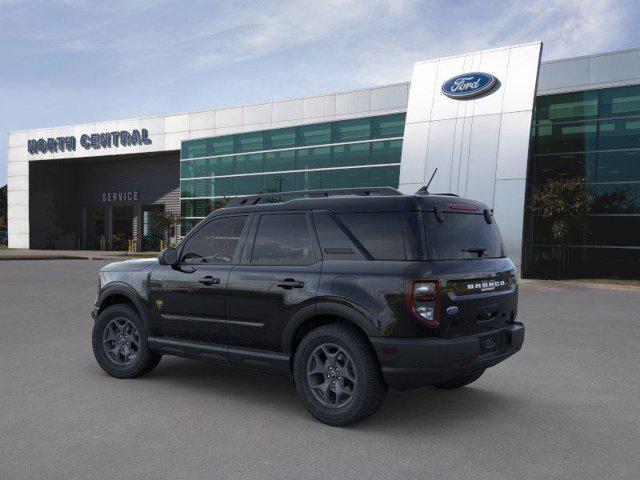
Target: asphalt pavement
x=566, y=407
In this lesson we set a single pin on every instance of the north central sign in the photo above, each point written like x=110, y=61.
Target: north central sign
x=469, y=85
x=93, y=141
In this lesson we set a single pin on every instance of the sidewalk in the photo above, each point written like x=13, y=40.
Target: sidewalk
x=23, y=254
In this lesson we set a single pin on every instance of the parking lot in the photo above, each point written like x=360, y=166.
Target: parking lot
x=566, y=407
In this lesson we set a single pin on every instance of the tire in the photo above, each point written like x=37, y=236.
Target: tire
x=136, y=359
x=460, y=381
x=360, y=378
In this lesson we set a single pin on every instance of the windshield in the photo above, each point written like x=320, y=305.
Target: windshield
x=462, y=236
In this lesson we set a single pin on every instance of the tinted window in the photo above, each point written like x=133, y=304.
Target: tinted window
x=380, y=233
x=334, y=242
x=215, y=242
x=283, y=239
x=462, y=236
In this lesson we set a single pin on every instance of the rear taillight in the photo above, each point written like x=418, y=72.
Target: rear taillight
x=423, y=297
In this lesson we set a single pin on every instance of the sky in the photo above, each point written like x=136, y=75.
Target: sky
x=65, y=62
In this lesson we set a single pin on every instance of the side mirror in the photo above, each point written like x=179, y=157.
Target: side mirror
x=169, y=256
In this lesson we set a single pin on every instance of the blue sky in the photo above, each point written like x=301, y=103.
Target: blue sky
x=73, y=61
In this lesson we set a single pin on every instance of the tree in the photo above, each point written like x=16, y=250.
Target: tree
x=166, y=224
x=565, y=204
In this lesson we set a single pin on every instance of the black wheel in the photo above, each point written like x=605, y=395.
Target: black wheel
x=337, y=375
x=120, y=343
x=460, y=381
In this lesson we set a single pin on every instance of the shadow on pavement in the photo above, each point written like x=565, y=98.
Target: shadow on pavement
x=428, y=409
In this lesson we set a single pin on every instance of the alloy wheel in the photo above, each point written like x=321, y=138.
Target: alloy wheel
x=331, y=375
x=121, y=341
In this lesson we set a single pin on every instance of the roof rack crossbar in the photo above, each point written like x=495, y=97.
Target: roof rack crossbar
x=254, y=199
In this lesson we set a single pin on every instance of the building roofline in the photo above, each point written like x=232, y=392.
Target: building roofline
x=213, y=109
x=602, y=54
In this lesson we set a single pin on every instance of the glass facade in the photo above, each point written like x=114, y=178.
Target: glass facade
x=592, y=135
x=363, y=152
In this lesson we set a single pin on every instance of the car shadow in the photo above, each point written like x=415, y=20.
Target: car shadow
x=402, y=411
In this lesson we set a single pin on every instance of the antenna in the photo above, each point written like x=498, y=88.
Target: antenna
x=431, y=179
x=425, y=190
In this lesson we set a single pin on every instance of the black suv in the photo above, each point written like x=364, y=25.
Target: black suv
x=348, y=291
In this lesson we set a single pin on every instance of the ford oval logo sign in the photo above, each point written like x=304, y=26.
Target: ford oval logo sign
x=469, y=85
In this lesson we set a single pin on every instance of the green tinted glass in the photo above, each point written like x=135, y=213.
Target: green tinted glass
x=622, y=133
x=573, y=137
x=280, y=182
x=620, y=102
x=186, y=169
x=616, y=198
x=352, y=130
x=250, y=163
x=319, y=157
x=187, y=225
x=283, y=160
x=221, y=166
x=200, y=188
x=313, y=134
x=549, y=167
x=186, y=188
x=220, y=145
x=566, y=107
x=618, y=166
x=388, y=126
x=194, y=148
x=249, y=185
x=248, y=142
x=186, y=208
x=347, y=155
x=350, y=178
x=221, y=187
x=388, y=151
x=280, y=138
x=385, y=177
x=313, y=180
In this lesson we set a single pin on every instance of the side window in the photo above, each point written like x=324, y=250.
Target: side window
x=216, y=242
x=334, y=242
x=283, y=239
x=380, y=233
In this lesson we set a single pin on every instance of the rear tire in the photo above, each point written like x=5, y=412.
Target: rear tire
x=337, y=375
x=120, y=344
x=460, y=381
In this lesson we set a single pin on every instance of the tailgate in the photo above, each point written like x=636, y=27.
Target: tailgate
x=476, y=295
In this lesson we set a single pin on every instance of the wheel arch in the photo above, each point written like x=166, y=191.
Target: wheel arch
x=323, y=313
x=121, y=293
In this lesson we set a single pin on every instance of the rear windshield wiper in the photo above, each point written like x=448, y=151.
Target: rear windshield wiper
x=479, y=250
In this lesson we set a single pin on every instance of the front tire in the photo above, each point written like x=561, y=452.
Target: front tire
x=459, y=382
x=337, y=375
x=120, y=344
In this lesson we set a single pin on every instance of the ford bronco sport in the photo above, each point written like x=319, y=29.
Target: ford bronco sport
x=349, y=291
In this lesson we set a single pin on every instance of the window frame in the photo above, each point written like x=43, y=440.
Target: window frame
x=194, y=231
x=247, y=251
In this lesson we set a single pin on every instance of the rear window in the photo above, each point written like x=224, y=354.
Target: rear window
x=462, y=236
x=379, y=233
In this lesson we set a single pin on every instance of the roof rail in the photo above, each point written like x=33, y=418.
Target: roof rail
x=446, y=194
x=254, y=199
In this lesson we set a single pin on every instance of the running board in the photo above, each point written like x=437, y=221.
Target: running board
x=266, y=361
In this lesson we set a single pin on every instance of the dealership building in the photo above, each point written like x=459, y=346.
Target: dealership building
x=496, y=124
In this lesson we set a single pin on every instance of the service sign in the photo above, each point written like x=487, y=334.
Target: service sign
x=469, y=85
x=118, y=197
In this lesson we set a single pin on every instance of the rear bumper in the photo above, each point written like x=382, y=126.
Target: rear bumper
x=412, y=363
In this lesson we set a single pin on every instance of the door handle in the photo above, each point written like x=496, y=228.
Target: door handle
x=209, y=280
x=289, y=283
